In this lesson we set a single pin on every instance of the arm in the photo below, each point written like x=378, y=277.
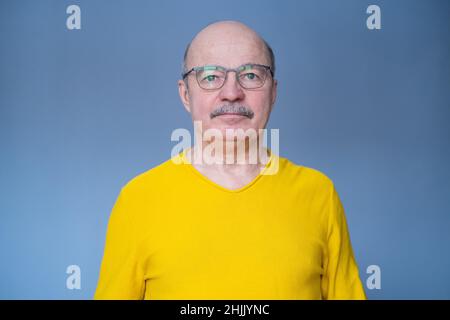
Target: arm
x=121, y=276
x=341, y=277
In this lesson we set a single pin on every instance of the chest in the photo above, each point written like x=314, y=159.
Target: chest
x=265, y=251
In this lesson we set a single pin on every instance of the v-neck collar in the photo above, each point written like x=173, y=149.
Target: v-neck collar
x=194, y=170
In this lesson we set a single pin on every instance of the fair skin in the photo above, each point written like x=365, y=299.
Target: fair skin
x=229, y=44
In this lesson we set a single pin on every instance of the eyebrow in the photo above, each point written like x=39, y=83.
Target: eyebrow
x=241, y=65
x=253, y=63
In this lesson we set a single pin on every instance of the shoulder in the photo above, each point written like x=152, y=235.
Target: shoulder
x=308, y=185
x=297, y=173
x=153, y=179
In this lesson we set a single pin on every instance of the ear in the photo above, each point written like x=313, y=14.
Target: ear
x=274, y=93
x=184, y=95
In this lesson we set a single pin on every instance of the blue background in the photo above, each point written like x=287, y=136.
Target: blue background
x=84, y=111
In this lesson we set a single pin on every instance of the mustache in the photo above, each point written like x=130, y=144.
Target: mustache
x=224, y=109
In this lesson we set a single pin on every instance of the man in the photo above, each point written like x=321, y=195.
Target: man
x=190, y=229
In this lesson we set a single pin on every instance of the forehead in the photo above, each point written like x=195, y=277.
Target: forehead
x=229, y=51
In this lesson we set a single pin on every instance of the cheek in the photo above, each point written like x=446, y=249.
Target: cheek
x=260, y=103
x=201, y=106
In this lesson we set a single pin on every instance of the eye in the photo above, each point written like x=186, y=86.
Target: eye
x=250, y=76
x=210, y=78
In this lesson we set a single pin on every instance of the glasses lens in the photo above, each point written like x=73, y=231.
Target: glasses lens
x=211, y=77
x=252, y=77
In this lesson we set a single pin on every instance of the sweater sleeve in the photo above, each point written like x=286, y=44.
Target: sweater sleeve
x=121, y=275
x=340, y=280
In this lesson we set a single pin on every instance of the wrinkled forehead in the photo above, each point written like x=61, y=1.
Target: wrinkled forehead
x=229, y=50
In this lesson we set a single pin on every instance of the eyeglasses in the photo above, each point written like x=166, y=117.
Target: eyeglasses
x=249, y=76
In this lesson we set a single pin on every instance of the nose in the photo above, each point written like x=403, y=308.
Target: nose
x=231, y=90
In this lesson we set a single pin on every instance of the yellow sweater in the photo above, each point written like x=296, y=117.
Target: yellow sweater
x=175, y=234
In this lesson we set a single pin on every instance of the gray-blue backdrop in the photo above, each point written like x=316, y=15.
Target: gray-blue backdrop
x=83, y=111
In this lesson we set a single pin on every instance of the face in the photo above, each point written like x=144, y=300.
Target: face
x=229, y=48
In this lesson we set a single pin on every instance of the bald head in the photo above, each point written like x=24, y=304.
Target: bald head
x=224, y=39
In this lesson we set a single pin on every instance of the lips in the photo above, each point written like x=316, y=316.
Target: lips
x=232, y=114
x=231, y=118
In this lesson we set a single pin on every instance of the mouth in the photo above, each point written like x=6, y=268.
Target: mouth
x=231, y=118
x=231, y=115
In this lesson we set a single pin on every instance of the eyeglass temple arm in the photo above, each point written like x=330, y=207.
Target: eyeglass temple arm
x=184, y=75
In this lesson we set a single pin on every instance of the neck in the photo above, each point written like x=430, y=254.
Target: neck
x=238, y=159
